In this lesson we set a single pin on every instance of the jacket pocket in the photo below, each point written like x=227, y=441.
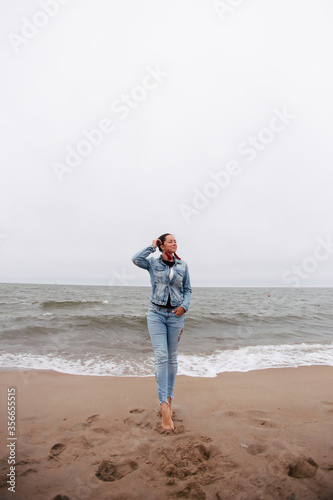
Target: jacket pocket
x=159, y=268
x=160, y=275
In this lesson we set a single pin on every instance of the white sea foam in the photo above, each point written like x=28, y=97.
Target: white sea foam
x=256, y=358
x=239, y=360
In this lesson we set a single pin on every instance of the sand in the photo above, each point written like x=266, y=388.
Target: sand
x=257, y=435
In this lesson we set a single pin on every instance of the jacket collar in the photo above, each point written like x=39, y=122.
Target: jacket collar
x=174, y=260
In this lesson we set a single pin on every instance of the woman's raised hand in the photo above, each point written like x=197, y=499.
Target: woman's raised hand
x=155, y=242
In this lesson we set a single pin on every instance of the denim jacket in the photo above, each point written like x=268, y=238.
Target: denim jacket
x=164, y=279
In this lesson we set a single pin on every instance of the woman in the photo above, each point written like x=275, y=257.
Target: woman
x=168, y=302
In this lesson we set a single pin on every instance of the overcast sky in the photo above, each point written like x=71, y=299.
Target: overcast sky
x=123, y=120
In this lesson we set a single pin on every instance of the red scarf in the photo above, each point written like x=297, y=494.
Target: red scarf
x=170, y=256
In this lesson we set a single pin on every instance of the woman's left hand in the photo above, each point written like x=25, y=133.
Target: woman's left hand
x=179, y=311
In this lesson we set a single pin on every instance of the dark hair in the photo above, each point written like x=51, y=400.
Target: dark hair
x=162, y=238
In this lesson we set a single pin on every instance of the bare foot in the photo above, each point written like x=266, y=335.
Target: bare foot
x=167, y=423
x=170, y=406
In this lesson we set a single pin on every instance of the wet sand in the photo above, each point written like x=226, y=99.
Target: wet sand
x=257, y=435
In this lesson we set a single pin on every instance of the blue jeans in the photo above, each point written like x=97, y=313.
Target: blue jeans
x=165, y=329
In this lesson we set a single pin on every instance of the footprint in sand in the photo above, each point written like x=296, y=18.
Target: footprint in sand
x=56, y=450
x=137, y=410
x=83, y=425
x=303, y=468
x=255, y=449
x=110, y=471
x=141, y=418
x=92, y=418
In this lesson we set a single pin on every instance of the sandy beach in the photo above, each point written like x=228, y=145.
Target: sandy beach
x=256, y=435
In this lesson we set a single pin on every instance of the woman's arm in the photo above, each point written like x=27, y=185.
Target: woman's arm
x=187, y=290
x=140, y=258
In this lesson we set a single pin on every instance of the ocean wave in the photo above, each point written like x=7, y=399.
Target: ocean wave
x=127, y=321
x=130, y=320
x=257, y=357
x=71, y=303
x=94, y=365
x=243, y=359
x=239, y=318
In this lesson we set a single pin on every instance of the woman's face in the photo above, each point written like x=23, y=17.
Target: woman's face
x=169, y=244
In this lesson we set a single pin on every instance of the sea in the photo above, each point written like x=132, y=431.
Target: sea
x=102, y=330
